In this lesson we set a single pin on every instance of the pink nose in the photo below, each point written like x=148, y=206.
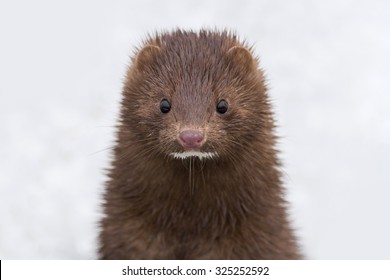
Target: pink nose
x=191, y=138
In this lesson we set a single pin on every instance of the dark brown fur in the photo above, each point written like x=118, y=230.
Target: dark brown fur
x=228, y=207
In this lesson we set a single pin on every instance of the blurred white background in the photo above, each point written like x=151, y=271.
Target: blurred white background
x=61, y=70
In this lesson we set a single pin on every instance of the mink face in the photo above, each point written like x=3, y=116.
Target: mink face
x=195, y=173
x=195, y=96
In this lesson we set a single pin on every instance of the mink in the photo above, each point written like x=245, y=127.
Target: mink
x=195, y=172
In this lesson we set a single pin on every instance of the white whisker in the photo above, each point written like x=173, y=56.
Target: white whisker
x=188, y=154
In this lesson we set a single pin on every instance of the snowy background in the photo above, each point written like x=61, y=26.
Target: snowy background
x=61, y=70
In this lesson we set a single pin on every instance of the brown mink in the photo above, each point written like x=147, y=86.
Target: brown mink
x=195, y=173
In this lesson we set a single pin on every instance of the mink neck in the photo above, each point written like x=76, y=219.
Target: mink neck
x=204, y=193
x=203, y=180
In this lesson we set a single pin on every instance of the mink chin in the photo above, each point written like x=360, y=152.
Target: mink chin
x=195, y=173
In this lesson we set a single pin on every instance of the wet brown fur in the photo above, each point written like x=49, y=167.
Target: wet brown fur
x=228, y=207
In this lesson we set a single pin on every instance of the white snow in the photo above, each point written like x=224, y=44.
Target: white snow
x=61, y=69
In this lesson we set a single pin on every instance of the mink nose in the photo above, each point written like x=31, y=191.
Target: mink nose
x=191, y=138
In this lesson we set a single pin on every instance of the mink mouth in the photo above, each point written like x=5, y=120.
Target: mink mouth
x=189, y=154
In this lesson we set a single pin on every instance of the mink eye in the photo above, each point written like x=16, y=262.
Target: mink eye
x=222, y=106
x=165, y=106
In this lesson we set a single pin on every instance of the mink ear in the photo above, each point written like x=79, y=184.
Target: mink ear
x=241, y=57
x=146, y=56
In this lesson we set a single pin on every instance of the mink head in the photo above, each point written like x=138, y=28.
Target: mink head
x=195, y=94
